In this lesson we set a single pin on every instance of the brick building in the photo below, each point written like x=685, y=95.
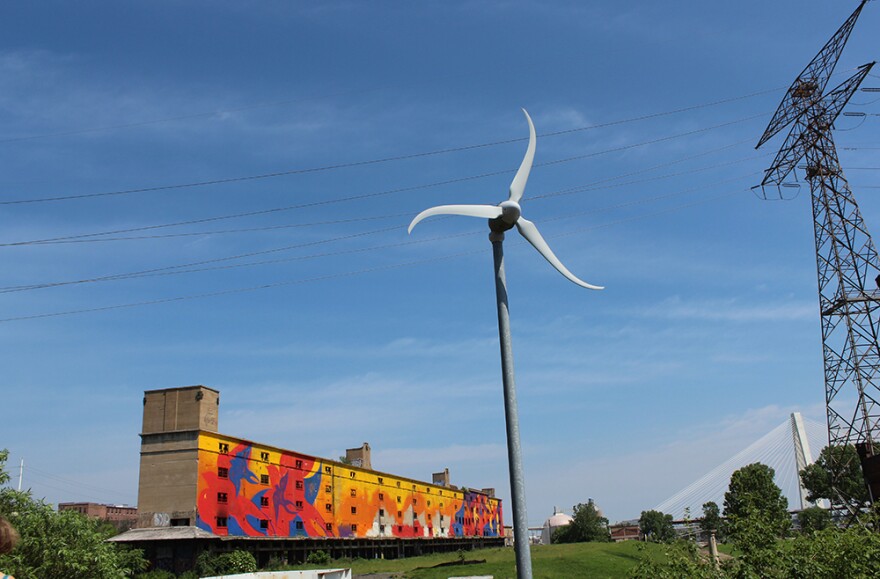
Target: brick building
x=121, y=516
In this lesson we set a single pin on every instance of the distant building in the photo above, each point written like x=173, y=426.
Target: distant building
x=625, y=531
x=556, y=521
x=199, y=488
x=121, y=516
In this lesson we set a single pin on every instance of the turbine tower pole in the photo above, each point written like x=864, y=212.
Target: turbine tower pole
x=511, y=415
x=847, y=261
x=504, y=217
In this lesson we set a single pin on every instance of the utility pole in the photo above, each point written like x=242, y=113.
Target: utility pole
x=847, y=260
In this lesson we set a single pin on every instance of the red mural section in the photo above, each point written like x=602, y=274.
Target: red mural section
x=246, y=490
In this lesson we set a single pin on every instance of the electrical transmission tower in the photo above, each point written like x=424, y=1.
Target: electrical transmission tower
x=848, y=266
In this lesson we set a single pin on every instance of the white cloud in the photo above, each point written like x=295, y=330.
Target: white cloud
x=728, y=310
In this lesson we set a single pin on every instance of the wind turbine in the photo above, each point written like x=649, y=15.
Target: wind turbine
x=503, y=217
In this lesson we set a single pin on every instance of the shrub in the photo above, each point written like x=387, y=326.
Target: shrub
x=209, y=564
x=318, y=558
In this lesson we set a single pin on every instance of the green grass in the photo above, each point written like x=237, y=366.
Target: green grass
x=593, y=560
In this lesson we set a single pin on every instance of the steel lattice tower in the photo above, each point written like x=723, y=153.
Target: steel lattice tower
x=846, y=257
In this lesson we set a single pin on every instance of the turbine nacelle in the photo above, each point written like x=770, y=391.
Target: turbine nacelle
x=508, y=214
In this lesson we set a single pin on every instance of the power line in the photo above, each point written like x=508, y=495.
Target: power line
x=593, y=186
x=324, y=277
x=379, y=193
x=337, y=166
x=187, y=267
x=239, y=290
x=227, y=231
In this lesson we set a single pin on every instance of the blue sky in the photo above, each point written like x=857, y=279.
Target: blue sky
x=706, y=337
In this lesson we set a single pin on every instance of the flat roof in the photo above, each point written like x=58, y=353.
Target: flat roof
x=162, y=534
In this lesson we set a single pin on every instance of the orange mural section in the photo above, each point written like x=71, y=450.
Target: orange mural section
x=249, y=490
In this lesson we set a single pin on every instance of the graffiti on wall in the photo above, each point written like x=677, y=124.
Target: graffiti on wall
x=245, y=490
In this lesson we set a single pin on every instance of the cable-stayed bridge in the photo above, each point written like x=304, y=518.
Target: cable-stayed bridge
x=786, y=449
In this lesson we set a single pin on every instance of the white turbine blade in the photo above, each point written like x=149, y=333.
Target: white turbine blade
x=487, y=211
x=518, y=185
x=530, y=232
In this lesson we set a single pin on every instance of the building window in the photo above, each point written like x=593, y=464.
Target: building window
x=299, y=525
x=351, y=474
x=398, y=484
x=381, y=481
x=415, y=501
x=399, y=528
x=329, y=526
x=429, y=516
x=354, y=510
x=224, y=448
x=398, y=498
x=414, y=487
x=441, y=505
x=328, y=489
x=222, y=497
x=381, y=496
x=264, y=456
x=327, y=469
x=399, y=514
x=354, y=528
x=299, y=484
x=441, y=519
x=429, y=503
x=264, y=501
x=381, y=512
x=353, y=493
x=441, y=493
x=329, y=508
x=382, y=529
x=299, y=504
x=264, y=479
x=221, y=522
x=222, y=472
x=264, y=523
x=299, y=464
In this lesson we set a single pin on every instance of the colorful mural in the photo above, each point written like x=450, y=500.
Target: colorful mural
x=248, y=490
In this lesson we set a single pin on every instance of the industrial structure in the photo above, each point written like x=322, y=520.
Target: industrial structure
x=198, y=486
x=120, y=516
x=848, y=265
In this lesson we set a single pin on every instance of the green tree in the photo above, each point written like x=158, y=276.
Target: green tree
x=587, y=525
x=814, y=519
x=656, y=526
x=4, y=476
x=755, y=504
x=828, y=554
x=712, y=520
x=817, y=477
x=65, y=545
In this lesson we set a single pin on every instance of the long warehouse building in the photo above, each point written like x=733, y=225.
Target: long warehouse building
x=225, y=486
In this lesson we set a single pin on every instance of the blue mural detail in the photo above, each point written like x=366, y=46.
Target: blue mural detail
x=294, y=531
x=279, y=497
x=313, y=486
x=234, y=528
x=254, y=522
x=238, y=469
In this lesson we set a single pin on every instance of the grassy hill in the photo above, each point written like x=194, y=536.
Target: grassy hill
x=592, y=560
